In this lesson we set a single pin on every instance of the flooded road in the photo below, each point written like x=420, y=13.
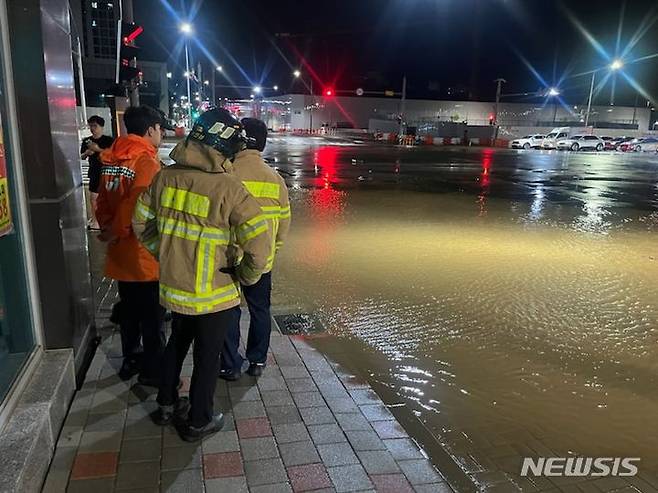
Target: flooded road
x=507, y=299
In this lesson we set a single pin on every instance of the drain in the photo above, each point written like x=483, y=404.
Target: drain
x=299, y=324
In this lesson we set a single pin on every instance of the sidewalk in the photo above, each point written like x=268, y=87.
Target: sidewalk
x=303, y=426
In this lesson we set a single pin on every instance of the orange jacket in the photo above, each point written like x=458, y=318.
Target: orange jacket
x=128, y=169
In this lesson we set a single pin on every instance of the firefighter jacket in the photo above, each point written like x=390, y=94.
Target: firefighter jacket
x=185, y=218
x=269, y=189
x=128, y=169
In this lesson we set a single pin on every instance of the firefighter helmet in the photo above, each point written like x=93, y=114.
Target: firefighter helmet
x=219, y=129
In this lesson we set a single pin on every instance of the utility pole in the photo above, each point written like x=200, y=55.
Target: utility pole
x=499, y=90
x=589, y=99
x=212, y=81
x=403, y=100
x=310, y=113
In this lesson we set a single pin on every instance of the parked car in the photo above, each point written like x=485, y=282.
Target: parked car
x=616, y=142
x=554, y=136
x=608, y=143
x=581, y=142
x=643, y=144
x=527, y=142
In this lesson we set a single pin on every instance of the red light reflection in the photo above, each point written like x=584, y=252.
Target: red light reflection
x=485, y=179
x=326, y=162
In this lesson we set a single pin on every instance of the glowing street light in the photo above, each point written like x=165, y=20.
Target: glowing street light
x=616, y=64
x=276, y=88
x=220, y=68
x=553, y=92
x=206, y=83
x=186, y=28
x=169, y=75
x=257, y=90
x=297, y=74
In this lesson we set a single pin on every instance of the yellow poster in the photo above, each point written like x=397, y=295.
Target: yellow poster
x=6, y=224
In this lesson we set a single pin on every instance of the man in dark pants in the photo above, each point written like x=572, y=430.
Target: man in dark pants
x=269, y=189
x=90, y=149
x=186, y=219
x=129, y=166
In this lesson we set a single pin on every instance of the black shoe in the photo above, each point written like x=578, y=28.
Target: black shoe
x=177, y=412
x=148, y=381
x=256, y=369
x=192, y=434
x=229, y=376
x=129, y=368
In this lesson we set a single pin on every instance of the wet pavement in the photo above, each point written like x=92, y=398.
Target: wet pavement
x=503, y=302
x=305, y=425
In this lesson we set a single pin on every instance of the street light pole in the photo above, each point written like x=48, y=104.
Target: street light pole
x=189, y=91
x=310, y=113
x=499, y=90
x=589, y=99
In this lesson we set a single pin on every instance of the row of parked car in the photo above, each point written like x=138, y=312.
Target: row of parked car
x=563, y=138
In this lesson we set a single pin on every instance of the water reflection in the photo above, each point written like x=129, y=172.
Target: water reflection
x=501, y=337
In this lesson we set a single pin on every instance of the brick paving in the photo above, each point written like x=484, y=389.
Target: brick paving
x=303, y=426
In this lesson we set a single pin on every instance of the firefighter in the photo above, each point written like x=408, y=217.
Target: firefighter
x=269, y=189
x=186, y=219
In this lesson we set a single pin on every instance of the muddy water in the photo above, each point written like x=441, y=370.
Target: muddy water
x=514, y=317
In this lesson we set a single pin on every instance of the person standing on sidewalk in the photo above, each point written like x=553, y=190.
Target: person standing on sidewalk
x=269, y=189
x=186, y=219
x=91, y=149
x=128, y=169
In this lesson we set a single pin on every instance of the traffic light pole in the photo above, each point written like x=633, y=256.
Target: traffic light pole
x=127, y=15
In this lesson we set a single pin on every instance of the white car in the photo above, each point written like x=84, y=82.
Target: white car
x=556, y=135
x=581, y=142
x=644, y=144
x=527, y=142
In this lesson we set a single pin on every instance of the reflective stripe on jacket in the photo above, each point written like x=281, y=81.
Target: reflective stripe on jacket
x=128, y=168
x=269, y=189
x=186, y=217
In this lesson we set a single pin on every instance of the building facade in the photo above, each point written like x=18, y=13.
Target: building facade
x=47, y=329
x=306, y=111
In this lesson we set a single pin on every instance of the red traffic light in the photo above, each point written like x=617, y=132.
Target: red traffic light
x=328, y=92
x=130, y=31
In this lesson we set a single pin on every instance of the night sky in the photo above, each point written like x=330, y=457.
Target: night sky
x=448, y=49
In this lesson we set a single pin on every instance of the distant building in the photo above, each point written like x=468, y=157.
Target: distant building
x=95, y=22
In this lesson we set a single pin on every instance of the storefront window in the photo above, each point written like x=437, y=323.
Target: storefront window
x=16, y=324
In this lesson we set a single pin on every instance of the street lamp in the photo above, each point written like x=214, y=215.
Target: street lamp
x=616, y=64
x=187, y=29
x=553, y=92
x=257, y=89
x=276, y=88
x=297, y=74
x=206, y=83
x=220, y=68
x=169, y=75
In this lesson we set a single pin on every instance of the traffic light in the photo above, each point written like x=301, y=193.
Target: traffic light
x=328, y=92
x=128, y=71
